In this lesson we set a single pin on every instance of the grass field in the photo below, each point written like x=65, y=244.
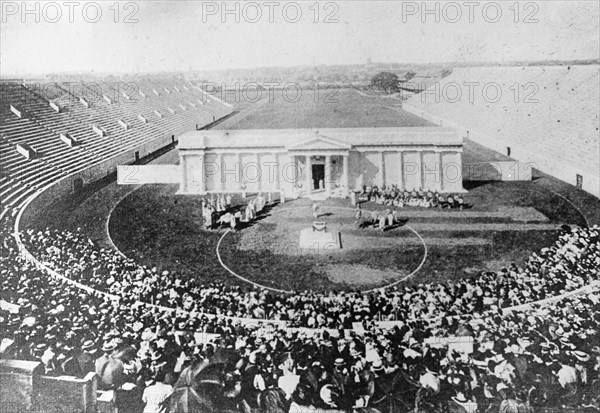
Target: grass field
x=508, y=222
x=334, y=108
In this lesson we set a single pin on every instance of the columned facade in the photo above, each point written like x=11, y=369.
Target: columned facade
x=330, y=162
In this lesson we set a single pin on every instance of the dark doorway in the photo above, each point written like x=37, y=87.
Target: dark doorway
x=318, y=175
x=137, y=156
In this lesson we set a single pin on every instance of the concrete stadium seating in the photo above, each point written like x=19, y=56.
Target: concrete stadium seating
x=546, y=115
x=41, y=125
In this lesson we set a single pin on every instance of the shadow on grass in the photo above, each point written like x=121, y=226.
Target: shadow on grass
x=469, y=185
x=368, y=224
x=398, y=224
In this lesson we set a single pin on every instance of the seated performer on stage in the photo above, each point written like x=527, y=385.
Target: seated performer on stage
x=399, y=200
x=460, y=203
x=441, y=202
x=315, y=209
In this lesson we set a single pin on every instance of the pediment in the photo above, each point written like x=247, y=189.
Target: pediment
x=321, y=143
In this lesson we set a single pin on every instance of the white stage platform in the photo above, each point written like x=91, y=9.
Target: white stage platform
x=318, y=240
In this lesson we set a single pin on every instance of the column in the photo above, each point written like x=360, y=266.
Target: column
x=220, y=184
x=452, y=172
x=346, y=181
x=199, y=178
x=309, y=183
x=285, y=172
x=459, y=167
x=183, y=187
x=328, y=176
x=297, y=175
x=440, y=176
x=260, y=172
x=275, y=186
x=401, y=172
x=381, y=170
x=240, y=173
x=420, y=167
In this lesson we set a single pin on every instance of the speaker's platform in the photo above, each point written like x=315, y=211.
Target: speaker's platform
x=318, y=240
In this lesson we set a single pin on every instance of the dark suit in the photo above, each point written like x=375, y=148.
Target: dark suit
x=86, y=362
x=70, y=367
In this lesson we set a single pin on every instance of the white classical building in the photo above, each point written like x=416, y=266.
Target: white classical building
x=332, y=162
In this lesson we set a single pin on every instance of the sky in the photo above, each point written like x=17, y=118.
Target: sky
x=133, y=37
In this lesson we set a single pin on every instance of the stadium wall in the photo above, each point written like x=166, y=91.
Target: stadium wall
x=565, y=171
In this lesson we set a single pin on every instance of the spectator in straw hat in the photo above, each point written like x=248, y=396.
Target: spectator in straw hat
x=107, y=349
x=86, y=357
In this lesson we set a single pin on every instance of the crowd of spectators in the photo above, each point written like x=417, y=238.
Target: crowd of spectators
x=529, y=360
x=570, y=263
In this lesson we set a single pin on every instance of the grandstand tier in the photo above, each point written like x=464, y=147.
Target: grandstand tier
x=48, y=132
x=546, y=115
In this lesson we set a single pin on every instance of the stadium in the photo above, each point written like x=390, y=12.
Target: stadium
x=144, y=269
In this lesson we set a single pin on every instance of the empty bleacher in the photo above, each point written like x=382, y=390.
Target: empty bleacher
x=107, y=103
x=548, y=115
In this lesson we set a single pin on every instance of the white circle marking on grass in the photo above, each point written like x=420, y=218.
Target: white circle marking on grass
x=406, y=277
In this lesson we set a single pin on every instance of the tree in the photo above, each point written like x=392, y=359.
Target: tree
x=446, y=72
x=409, y=75
x=385, y=81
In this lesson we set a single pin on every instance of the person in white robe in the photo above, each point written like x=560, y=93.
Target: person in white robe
x=382, y=219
